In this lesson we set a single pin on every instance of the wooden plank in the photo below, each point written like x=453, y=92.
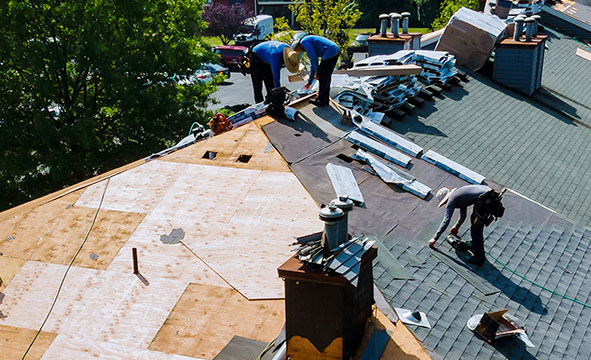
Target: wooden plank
x=453, y=167
x=476, y=281
x=584, y=54
x=207, y=317
x=391, y=70
x=378, y=148
x=52, y=232
x=15, y=341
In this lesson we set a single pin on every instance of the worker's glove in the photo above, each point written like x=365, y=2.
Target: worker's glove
x=454, y=231
x=432, y=243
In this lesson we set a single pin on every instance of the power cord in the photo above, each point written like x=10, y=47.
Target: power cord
x=68, y=269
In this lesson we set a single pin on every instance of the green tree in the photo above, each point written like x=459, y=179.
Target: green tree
x=86, y=86
x=330, y=18
x=449, y=7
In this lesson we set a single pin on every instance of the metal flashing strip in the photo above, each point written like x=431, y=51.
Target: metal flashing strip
x=453, y=167
x=391, y=138
x=344, y=183
x=390, y=263
x=394, y=176
x=467, y=274
x=378, y=148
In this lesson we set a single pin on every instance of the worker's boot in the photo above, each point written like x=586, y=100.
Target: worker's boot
x=319, y=103
x=474, y=260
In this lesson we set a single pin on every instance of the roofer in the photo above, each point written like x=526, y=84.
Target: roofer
x=266, y=61
x=318, y=47
x=487, y=206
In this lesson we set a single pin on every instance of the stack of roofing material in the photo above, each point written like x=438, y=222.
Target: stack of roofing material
x=378, y=148
x=437, y=65
x=471, y=36
x=390, y=137
x=247, y=115
x=377, y=93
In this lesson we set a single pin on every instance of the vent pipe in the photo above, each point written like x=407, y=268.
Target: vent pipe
x=537, y=19
x=384, y=24
x=518, y=27
x=395, y=26
x=332, y=216
x=530, y=22
x=405, y=16
x=346, y=205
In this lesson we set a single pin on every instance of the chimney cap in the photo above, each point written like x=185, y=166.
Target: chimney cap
x=536, y=17
x=384, y=16
x=343, y=203
x=529, y=20
x=405, y=14
x=519, y=18
x=395, y=15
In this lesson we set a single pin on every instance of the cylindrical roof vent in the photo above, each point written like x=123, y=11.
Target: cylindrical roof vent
x=332, y=216
x=518, y=27
x=537, y=19
x=346, y=205
x=395, y=26
x=384, y=24
x=405, y=17
x=530, y=23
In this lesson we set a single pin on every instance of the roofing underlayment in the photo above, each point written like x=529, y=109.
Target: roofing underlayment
x=209, y=233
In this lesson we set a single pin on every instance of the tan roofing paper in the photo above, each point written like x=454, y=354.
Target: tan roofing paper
x=471, y=37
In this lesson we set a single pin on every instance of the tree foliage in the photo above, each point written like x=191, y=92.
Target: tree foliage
x=223, y=21
x=449, y=7
x=86, y=87
x=330, y=18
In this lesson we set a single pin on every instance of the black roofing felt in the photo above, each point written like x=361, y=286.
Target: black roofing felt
x=530, y=239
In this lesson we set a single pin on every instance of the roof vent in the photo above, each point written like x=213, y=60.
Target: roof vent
x=405, y=17
x=332, y=216
x=384, y=25
x=395, y=23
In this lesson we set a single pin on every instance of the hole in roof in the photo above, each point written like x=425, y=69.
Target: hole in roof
x=345, y=158
x=209, y=155
x=243, y=158
x=297, y=134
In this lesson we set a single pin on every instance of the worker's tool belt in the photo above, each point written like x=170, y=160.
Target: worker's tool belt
x=489, y=207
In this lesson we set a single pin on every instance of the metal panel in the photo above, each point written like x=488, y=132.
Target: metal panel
x=378, y=148
x=453, y=167
x=391, y=138
x=344, y=183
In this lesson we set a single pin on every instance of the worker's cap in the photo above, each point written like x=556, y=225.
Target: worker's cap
x=291, y=59
x=443, y=195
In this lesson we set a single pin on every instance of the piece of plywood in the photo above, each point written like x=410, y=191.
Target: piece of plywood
x=15, y=341
x=53, y=232
x=390, y=70
x=136, y=190
x=8, y=268
x=256, y=238
x=168, y=261
x=244, y=140
x=207, y=317
x=93, y=304
x=73, y=347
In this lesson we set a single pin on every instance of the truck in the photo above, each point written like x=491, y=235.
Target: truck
x=254, y=29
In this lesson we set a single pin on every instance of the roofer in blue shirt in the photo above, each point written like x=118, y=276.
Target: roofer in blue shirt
x=318, y=47
x=486, y=207
x=266, y=61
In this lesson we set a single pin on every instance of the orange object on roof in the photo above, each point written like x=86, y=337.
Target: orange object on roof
x=219, y=123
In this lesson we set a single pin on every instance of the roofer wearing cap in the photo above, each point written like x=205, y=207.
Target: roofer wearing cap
x=266, y=60
x=318, y=47
x=486, y=206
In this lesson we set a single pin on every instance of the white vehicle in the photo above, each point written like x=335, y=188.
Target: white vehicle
x=254, y=29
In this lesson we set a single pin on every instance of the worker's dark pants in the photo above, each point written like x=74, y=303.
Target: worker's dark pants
x=324, y=72
x=260, y=72
x=477, y=234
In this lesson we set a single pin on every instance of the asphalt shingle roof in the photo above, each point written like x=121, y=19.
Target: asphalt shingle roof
x=556, y=258
x=518, y=142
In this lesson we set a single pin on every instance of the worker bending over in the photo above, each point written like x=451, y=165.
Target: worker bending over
x=318, y=47
x=266, y=61
x=487, y=206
